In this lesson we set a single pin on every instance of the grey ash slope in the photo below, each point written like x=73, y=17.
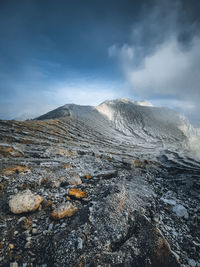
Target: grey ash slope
x=129, y=122
x=142, y=190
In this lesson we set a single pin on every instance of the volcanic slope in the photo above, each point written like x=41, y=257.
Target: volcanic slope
x=116, y=185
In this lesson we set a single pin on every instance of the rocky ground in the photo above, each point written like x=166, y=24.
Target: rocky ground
x=72, y=197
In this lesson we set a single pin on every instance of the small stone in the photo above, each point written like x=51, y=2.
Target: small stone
x=77, y=193
x=34, y=231
x=68, y=198
x=28, y=245
x=136, y=163
x=87, y=176
x=86, y=199
x=1, y=188
x=80, y=243
x=48, y=204
x=66, y=166
x=168, y=201
x=192, y=263
x=14, y=264
x=1, y=245
x=74, y=180
x=24, y=202
x=64, y=210
x=180, y=211
x=25, y=223
x=50, y=227
x=11, y=246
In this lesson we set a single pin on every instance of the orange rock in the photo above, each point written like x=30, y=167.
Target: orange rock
x=1, y=245
x=64, y=210
x=11, y=246
x=137, y=163
x=9, y=151
x=66, y=166
x=5, y=151
x=48, y=204
x=26, y=141
x=65, y=152
x=87, y=176
x=1, y=188
x=60, y=152
x=77, y=193
x=16, y=170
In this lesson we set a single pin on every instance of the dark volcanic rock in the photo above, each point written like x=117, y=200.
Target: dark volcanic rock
x=116, y=194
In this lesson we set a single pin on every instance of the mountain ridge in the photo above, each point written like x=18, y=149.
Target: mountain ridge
x=113, y=187
x=130, y=121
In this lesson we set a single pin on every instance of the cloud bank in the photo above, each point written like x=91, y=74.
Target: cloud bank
x=166, y=68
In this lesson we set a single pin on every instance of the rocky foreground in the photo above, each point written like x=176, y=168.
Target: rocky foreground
x=70, y=196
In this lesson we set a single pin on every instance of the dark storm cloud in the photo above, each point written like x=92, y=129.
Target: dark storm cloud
x=47, y=43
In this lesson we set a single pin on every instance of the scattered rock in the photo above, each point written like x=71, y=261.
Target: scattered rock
x=64, y=210
x=116, y=225
x=24, y=202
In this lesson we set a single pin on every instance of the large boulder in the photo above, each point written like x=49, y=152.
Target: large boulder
x=24, y=202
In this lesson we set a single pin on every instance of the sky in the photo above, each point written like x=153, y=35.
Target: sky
x=54, y=52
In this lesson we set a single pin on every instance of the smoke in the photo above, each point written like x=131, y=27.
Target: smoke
x=162, y=60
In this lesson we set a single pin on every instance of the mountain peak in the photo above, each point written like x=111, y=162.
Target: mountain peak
x=128, y=100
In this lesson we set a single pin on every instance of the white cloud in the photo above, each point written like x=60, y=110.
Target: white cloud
x=170, y=72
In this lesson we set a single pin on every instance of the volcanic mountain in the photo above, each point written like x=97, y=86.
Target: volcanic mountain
x=111, y=185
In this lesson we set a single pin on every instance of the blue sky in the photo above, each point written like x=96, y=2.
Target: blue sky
x=84, y=52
